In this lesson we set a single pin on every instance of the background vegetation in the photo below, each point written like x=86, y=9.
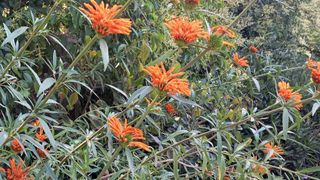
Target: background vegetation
x=216, y=133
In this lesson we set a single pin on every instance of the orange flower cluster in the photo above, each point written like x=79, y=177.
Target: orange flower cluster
x=253, y=49
x=168, y=81
x=259, y=169
x=15, y=146
x=16, y=172
x=127, y=134
x=315, y=70
x=104, y=19
x=223, y=30
x=36, y=123
x=276, y=150
x=192, y=2
x=170, y=109
x=40, y=136
x=243, y=62
x=42, y=153
x=286, y=93
x=183, y=30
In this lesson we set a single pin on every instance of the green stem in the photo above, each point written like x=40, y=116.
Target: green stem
x=196, y=59
x=260, y=114
x=143, y=116
x=115, y=154
x=242, y=13
x=33, y=34
x=99, y=131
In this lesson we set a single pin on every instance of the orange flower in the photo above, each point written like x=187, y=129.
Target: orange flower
x=229, y=44
x=41, y=137
x=223, y=30
x=183, y=30
x=170, y=108
x=240, y=61
x=253, y=49
x=311, y=64
x=127, y=134
x=192, y=2
x=104, y=19
x=315, y=70
x=17, y=172
x=36, y=123
x=276, y=150
x=286, y=93
x=15, y=146
x=42, y=153
x=168, y=81
x=256, y=168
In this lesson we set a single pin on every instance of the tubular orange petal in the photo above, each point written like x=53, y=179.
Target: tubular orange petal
x=243, y=62
x=253, y=49
x=140, y=145
x=167, y=81
x=226, y=43
x=276, y=150
x=17, y=172
x=181, y=29
x=104, y=19
x=286, y=93
x=115, y=125
x=15, y=146
x=40, y=136
x=223, y=30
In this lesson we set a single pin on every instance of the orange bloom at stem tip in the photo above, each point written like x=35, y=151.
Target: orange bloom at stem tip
x=42, y=153
x=223, y=30
x=276, y=150
x=286, y=93
x=315, y=70
x=192, y=2
x=181, y=29
x=104, y=19
x=17, y=172
x=15, y=146
x=170, y=108
x=40, y=136
x=36, y=123
x=167, y=81
x=259, y=169
x=253, y=49
x=228, y=44
x=243, y=62
x=127, y=134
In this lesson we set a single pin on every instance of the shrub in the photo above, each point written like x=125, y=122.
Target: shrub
x=152, y=90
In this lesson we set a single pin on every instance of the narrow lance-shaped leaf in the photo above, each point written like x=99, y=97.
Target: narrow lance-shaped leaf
x=46, y=84
x=105, y=53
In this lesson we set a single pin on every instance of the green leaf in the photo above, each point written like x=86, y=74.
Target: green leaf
x=175, y=165
x=315, y=107
x=130, y=161
x=73, y=99
x=48, y=133
x=11, y=36
x=285, y=122
x=140, y=93
x=242, y=145
x=144, y=52
x=3, y=137
x=105, y=53
x=256, y=82
x=310, y=170
x=46, y=84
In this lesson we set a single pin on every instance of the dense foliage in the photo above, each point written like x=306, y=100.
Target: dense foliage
x=178, y=89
